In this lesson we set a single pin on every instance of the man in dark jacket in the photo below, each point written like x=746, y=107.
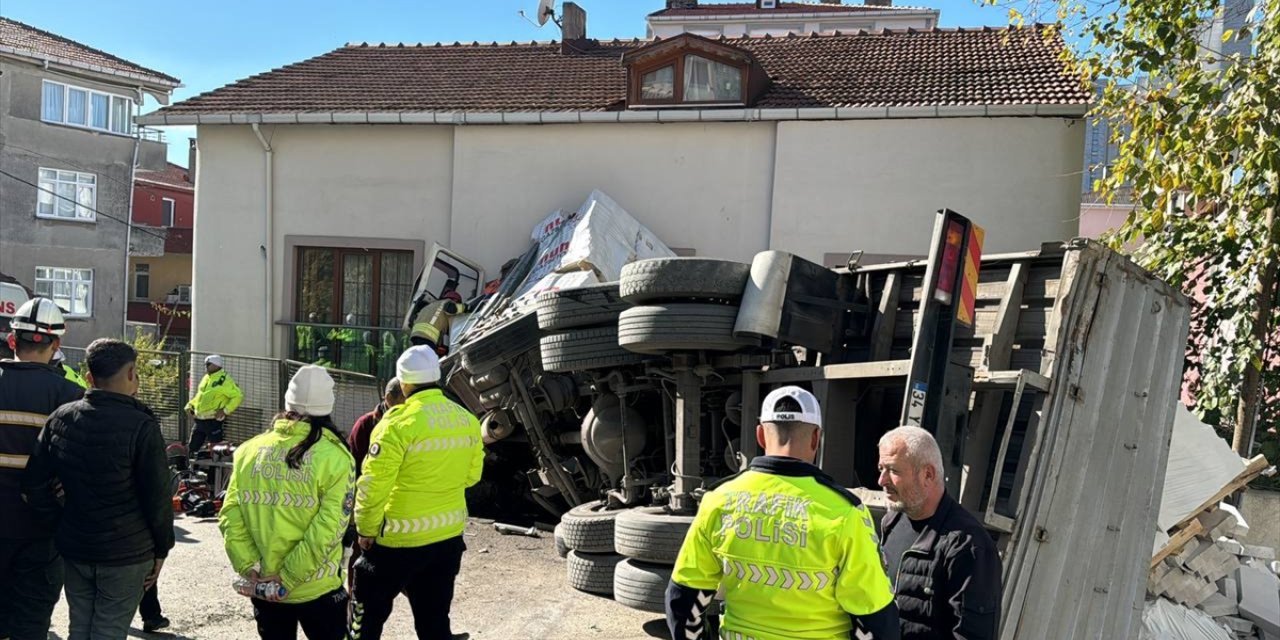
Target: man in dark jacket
x=358, y=439
x=943, y=564
x=117, y=524
x=30, y=390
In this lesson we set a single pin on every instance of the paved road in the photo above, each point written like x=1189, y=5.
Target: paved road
x=511, y=588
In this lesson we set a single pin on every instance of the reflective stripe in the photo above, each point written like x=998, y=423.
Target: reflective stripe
x=784, y=578
x=427, y=523
x=13, y=462
x=726, y=634
x=23, y=419
x=443, y=444
x=277, y=498
x=327, y=570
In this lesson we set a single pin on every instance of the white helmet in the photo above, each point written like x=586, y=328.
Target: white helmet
x=40, y=316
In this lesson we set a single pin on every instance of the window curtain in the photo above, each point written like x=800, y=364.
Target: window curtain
x=709, y=81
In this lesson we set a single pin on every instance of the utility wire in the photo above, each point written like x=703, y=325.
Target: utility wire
x=118, y=181
x=138, y=228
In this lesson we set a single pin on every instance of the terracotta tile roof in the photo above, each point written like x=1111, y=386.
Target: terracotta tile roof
x=29, y=40
x=172, y=176
x=883, y=69
x=748, y=8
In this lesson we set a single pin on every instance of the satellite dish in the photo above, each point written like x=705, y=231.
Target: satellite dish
x=546, y=9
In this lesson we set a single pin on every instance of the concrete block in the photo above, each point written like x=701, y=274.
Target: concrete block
x=1259, y=552
x=1210, y=520
x=1275, y=567
x=1239, y=626
x=1154, y=577
x=1217, y=605
x=1234, y=547
x=1241, y=531
x=1229, y=588
x=1260, y=598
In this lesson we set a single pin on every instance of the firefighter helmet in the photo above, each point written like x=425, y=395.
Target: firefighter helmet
x=38, y=316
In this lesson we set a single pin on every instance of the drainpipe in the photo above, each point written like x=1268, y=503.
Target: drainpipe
x=267, y=253
x=128, y=228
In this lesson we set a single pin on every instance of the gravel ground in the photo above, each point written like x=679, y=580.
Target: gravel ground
x=510, y=588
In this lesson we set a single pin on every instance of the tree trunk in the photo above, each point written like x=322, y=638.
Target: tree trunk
x=1251, y=386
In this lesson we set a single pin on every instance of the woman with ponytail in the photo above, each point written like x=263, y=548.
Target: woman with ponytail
x=286, y=509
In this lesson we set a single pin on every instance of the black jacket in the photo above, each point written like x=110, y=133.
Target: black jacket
x=29, y=392
x=949, y=583
x=109, y=455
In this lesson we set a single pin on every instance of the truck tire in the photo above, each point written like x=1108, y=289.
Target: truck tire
x=661, y=279
x=508, y=341
x=650, y=534
x=687, y=326
x=562, y=549
x=492, y=398
x=486, y=380
x=592, y=572
x=641, y=585
x=588, y=306
x=582, y=349
x=589, y=528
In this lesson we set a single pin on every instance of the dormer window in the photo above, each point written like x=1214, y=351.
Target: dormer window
x=694, y=71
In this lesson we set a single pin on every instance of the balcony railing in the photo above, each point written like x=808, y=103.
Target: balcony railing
x=152, y=135
x=371, y=350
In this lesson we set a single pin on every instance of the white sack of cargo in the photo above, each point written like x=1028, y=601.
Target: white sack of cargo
x=1200, y=463
x=1164, y=620
x=588, y=246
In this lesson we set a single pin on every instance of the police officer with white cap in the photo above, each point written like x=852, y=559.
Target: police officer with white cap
x=411, y=506
x=30, y=389
x=217, y=397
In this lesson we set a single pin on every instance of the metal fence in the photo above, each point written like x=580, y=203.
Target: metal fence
x=170, y=378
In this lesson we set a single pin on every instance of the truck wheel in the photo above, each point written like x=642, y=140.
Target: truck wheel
x=492, y=398
x=508, y=341
x=592, y=572
x=641, y=585
x=687, y=326
x=589, y=528
x=650, y=534
x=581, y=349
x=562, y=549
x=486, y=380
x=659, y=279
x=580, y=307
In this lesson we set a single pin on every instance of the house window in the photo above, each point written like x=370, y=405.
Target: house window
x=182, y=294
x=166, y=212
x=356, y=287
x=81, y=107
x=67, y=195
x=659, y=84
x=70, y=289
x=142, y=281
x=710, y=81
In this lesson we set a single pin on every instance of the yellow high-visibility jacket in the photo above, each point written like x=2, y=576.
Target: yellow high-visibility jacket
x=422, y=457
x=217, y=391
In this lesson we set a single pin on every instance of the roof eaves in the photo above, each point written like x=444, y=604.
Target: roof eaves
x=166, y=84
x=724, y=17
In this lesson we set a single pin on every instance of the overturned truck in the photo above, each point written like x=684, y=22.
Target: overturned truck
x=1048, y=377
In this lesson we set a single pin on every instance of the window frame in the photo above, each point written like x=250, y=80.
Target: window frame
x=141, y=269
x=66, y=88
x=168, y=220
x=67, y=313
x=676, y=59
x=93, y=210
x=338, y=255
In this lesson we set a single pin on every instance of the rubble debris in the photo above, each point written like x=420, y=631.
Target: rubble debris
x=1164, y=620
x=1199, y=463
x=513, y=530
x=1260, y=598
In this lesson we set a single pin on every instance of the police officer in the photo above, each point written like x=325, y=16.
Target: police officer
x=795, y=552
x=287, y=507
x=30, y=389
x=410, y=504
x=59, y=362
x=215, y=399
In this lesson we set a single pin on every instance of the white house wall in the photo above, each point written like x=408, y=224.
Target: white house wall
x=697, y=185
x=710, y=187
x=874, y=185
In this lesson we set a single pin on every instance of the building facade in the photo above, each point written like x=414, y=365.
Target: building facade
x=806, y=144
x=68, y=148
x=160, y=272
x=779, y=18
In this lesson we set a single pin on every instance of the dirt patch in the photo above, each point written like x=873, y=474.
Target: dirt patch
x=511, y=587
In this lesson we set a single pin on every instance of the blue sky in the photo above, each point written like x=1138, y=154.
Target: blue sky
x=209, y=44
